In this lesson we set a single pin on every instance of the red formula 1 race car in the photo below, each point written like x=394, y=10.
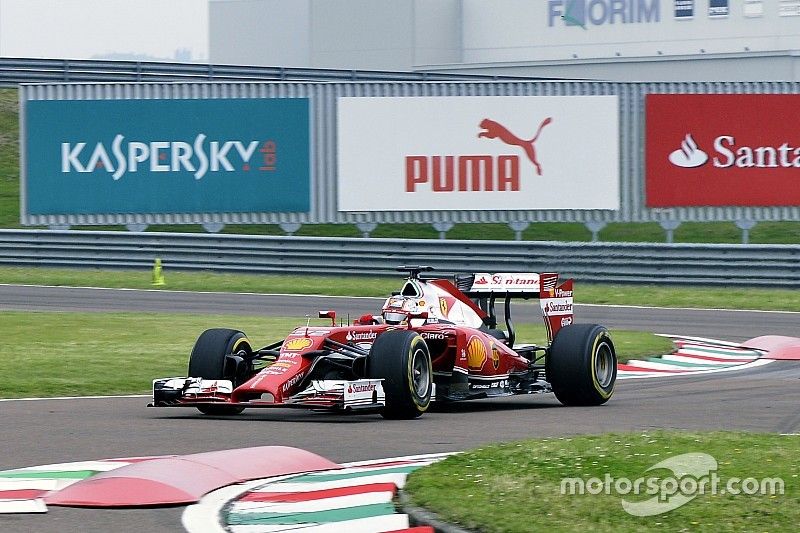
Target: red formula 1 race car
x=435, y=339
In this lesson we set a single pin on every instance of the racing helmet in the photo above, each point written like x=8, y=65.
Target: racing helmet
x=397, y=308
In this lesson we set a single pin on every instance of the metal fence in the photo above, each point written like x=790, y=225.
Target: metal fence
x=14, y=71
x=664, y=264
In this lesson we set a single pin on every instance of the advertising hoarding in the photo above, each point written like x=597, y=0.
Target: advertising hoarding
x=722, y=150
x=166, y=156
x=478, y=153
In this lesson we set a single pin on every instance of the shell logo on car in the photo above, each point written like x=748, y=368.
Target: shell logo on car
x=297, y=344
x=476, y=353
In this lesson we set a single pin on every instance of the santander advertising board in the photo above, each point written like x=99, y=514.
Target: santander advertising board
x=722, y=150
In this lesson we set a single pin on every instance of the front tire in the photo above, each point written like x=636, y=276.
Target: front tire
x=209, y=360
x=582, y=365
x=403, y=361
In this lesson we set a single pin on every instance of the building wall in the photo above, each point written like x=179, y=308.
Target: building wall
x=363, y=34
x=591, y=39
x=630, y=39
x=372, y=34
x=520, y=30
x=2, y=32
x=260, y=32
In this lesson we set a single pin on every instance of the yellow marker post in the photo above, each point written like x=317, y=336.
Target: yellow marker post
x=158, y=274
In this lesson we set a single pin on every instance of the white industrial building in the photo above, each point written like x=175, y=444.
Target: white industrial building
x=621, y=40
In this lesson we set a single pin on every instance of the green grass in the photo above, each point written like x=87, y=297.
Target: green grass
x=55, y=354
x=203, y=281
x=66, y=354
x=648, y=295
x=9, y=159
x=516, y=487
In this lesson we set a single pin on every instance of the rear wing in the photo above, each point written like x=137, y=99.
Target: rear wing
x=516, y=284
x=555, y=299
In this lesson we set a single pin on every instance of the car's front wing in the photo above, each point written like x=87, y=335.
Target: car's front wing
x=320, y=394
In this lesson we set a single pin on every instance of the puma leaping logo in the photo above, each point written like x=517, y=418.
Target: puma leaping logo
x=495, y=130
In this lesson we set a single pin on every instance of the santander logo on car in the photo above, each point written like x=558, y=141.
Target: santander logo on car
x=728, y=154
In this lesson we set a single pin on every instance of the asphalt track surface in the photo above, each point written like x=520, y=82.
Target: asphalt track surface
x=51, y=431
x=727, y=325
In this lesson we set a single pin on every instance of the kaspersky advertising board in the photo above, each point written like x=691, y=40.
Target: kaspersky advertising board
x=722, y=150
x=478, y=153
x=166, y=156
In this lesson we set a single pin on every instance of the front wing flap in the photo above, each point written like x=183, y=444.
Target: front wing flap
x=168, y=391
x=320, y=394
x=358, y=394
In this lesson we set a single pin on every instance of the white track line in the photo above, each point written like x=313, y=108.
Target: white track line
x=682, y=358
x=387, y=523
x=704, y=340
x=75, y=398
x=688, y=308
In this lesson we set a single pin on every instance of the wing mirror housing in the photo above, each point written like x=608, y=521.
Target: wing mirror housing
x=329, y=314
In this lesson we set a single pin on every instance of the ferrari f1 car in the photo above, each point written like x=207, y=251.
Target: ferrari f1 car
x=435, y=339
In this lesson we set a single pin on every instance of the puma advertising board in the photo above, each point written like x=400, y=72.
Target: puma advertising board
x=486, y=153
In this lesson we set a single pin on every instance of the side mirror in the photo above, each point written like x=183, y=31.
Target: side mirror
x=329, y=314
x=364, y=320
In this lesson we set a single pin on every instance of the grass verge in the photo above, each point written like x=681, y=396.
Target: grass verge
x=648, y=295
x=84, y=354
x=516, y=487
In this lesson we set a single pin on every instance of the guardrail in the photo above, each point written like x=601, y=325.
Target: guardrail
x=656, y=263
x=14, y=71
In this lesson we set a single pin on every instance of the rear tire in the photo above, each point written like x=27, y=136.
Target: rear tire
x=582, y=365
x=209, y=361
x=403, y=361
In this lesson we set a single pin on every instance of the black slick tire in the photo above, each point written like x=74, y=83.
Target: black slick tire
x=581, y=365
x=403, y=361
x=209, y=361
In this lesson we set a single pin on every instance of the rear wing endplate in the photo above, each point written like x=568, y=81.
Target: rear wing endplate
x=555, y=300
